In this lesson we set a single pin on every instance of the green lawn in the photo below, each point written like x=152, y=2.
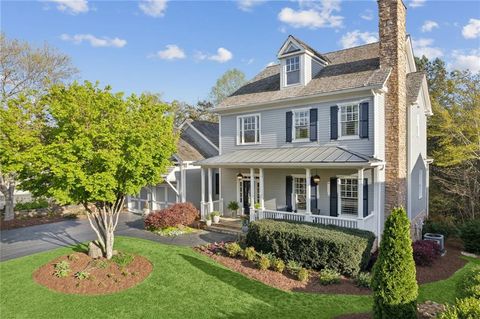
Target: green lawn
x=184, y=284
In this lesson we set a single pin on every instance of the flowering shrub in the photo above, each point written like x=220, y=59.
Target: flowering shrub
x=178, y=214
x=425, y=252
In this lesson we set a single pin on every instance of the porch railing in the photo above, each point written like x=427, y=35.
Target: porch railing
x=205, y=208
x=367, y=223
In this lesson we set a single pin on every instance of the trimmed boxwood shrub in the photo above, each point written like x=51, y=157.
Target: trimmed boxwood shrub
x=425, y=252
x=470, y=234
x=313, y=246
x=178, y=214
x=395, y=288
x=469, y=284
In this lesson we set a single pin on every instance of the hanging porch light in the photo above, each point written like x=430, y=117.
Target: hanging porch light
x=316, y=179
x=239, y=176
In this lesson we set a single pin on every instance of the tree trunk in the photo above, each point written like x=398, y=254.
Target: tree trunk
x=103, y=220
x=7, y=187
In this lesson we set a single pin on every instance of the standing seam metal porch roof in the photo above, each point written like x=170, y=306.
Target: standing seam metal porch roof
x=290, y=155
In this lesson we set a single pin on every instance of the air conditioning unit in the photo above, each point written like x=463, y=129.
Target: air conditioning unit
x=439, y=238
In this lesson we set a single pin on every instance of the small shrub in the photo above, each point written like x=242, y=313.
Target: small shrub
x=293, y=267
x=425, y=252
x=394, y=284
x=263, y=262
x=250, y=253
x=441, y=224
x=467, y=308
x=62, y=269
x=328, y=277
x=278, y=265
x=470, y=234
x=72, y=257
x=233, y=249
x=469, y=284
x=123, y=259
x=215, y=213
x=178, y=214
x=81, y=275
x=303, y=275
x=100, y=263
x=35, y=204
x=313, y=246
x=233, y=205
x=363, y=280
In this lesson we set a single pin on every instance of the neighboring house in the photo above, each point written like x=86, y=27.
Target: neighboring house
x=331, y=138
x=198, y=140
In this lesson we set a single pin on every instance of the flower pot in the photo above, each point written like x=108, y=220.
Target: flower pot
x=209, y=222
x=216, y=219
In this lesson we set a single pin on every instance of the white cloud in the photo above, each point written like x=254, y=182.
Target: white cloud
x=313, y=15
x=367, y=15
x=472, y=29
x=171, y=52
x=71, y=6
x=153, y=8
x=356, y=38
x=464, y=61
x=94, y=41
x=417, y=3
x=429, y=25
x=222, y=56
x=424, y=47
x=247, y=5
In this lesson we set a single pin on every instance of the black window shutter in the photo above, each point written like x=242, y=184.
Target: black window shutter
x=334, y=122
x=313, y=124
x=333, y=197
x=288, y=193
x=364, y=120
x=313, y=199
x=288, y=127
x=365, y=197
x=217, y=183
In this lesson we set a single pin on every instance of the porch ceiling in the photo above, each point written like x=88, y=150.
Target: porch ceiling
x=323, y=156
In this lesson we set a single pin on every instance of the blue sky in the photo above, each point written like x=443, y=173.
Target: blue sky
x=180, y=48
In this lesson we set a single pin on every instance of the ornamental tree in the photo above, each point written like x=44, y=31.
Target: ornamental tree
x=394, y=283
x=98, y=147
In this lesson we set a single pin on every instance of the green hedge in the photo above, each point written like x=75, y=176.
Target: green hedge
x=313, y=246
x=35, y=204
x=470, y=234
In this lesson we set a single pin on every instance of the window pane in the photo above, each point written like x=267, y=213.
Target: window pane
x=293, y=77
x=249, y=129
x=349, y=120
x=349, y=196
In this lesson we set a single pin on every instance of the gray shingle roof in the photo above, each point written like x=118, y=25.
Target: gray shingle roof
x=414, y=83
x=291, y=156
x=209, y=129
x=187, y=152
x=349, y=69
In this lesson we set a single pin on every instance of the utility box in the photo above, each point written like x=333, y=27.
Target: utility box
x=439, y=238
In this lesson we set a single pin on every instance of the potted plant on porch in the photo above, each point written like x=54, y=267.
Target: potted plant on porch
x=233, y=206
x=208, y=220
x=216, y=217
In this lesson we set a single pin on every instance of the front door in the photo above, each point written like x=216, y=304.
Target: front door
x=246, y=197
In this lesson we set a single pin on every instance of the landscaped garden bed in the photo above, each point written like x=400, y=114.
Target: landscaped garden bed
x=77, y=273
x=175, y=220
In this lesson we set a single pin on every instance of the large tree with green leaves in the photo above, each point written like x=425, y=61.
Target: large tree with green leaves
x=454, y=138
x=26, y=73
x=98, y=147
x=227, y=84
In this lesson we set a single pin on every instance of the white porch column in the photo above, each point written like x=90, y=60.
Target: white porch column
x=309, y=190
x=360, y=193
x=262, y=188
x=210, y=201
x=252, y=188
x=202, y=192
x=183, y=176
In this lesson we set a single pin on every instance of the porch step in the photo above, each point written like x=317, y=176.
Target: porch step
x=219, y=228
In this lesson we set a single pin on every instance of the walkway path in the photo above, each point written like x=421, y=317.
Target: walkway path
x=29, y=240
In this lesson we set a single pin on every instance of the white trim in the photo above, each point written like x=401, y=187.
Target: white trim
x=219, y=135
x=420, y=184
x=339, y=120
x=257, y=123
x=201, y=134
x=306, y=139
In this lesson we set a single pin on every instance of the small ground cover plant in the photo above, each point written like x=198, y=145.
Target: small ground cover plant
x=171, y=231
x=250, y=253
x=363, y=280
x=278, y=265
x=81, y=275
x=62, y=269
x=328, y=277
x=263, y=262
x=303, y=275
x=122, y=259
x=425, y=252
x=233, y=249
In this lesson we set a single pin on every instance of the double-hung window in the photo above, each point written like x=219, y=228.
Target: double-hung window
x=349, y=115
x=301, y=125
x=248, y=129
x=349, y=196
x=293, y=70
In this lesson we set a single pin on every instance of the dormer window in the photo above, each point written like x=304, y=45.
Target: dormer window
x=293, y=70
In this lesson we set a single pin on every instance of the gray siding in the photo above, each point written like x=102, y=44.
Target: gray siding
x=204, y=147
x=273, y=130
x=316, y=67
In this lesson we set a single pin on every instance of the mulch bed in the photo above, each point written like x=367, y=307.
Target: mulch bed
x=442, y=268
x=101, y=280
x=31, y=221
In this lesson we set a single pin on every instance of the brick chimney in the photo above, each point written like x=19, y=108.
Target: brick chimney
x=392, y=32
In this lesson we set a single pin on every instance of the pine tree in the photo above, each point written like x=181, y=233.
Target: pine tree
x=394, y=283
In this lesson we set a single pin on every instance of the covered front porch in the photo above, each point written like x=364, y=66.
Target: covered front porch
x=344, y=191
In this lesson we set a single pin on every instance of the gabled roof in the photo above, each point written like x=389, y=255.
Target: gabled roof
x=208, y=129
x=189, y=148
x=414, y=84
x=291, y=156
x=353, y=68
x=187, y=152
x=305, y=46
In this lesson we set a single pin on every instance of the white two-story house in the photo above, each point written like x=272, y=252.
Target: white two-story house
x=331, y=138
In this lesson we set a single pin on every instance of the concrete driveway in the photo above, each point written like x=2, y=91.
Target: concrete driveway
x=25, y=241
